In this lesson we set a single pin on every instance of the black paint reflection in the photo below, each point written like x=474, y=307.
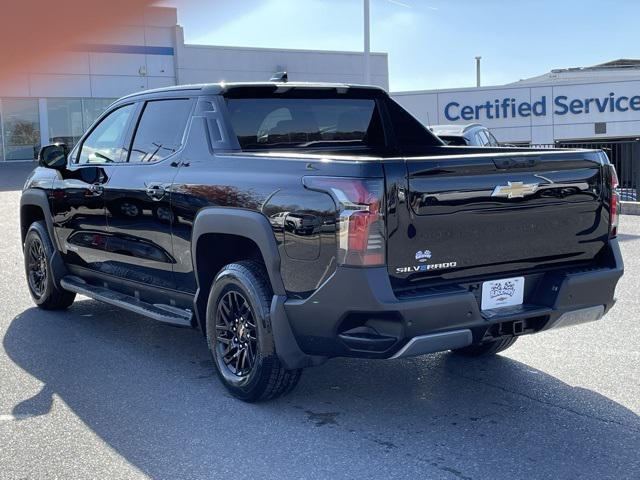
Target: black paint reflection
x=122, y=245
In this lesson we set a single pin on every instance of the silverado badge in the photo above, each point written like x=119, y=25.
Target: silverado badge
x=515, y=190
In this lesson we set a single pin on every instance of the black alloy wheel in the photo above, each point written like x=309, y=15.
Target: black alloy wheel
x=37, y=267
x=236, y=335
x=42, y=279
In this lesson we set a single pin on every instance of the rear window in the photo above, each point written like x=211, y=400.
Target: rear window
x=270, y=123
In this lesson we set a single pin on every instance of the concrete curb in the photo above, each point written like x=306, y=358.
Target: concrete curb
x=630, y=208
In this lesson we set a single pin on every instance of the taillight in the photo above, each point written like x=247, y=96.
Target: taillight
x=615, y=201
x=361, y=231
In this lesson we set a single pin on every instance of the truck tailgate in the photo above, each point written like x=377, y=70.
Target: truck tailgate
x=486, y=214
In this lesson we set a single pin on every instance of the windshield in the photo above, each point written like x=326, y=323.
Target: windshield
x=261, y=123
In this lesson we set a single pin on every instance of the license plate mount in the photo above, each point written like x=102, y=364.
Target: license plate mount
x=505, y=292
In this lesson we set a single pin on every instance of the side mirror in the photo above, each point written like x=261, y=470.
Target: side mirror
x=53, y=156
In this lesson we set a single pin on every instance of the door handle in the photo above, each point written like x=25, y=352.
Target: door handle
x=156, y=191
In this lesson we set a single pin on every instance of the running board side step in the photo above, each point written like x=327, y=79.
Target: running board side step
x=161, y=313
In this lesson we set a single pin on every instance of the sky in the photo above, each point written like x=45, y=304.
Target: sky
x=431, y=44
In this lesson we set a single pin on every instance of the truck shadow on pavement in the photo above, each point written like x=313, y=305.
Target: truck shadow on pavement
x=149, y=392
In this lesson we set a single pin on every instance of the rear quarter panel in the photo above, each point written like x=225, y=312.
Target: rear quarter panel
x=303, y=221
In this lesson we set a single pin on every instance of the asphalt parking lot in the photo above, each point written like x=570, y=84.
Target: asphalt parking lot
x=99, y=393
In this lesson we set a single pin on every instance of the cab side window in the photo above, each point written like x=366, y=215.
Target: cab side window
x=160, y=129
x=105, y=143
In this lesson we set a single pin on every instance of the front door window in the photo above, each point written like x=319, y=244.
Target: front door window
x=105, y=144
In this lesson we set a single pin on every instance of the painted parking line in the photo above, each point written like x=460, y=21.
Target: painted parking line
x=13, y=418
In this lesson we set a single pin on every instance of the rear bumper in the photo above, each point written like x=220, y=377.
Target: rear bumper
x=356, y=313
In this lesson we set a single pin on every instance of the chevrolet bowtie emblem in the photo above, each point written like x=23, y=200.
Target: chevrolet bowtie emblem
x=515, y=190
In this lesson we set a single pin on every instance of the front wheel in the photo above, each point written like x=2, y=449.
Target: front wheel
x=239, y=334
x=486, y=349
x=38, y=251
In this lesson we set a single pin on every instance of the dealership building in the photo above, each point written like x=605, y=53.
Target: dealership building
x=58, y=99
x=575, y=105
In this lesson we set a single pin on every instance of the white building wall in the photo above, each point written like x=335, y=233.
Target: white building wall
x=580, y=75
x=128, y=58
x=204, y=64
x=151, y=53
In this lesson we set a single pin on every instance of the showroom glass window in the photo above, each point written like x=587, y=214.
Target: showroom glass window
x=160, y=130
x=21, y=128
x=69, y=118
x=105, y=143
x=65, y=120
x=92, y=108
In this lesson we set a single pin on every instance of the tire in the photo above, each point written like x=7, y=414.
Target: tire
x=486, y=349
x=239, y=334
x=38, y=251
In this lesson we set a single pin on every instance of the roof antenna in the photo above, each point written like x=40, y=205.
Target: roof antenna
x=280, y=77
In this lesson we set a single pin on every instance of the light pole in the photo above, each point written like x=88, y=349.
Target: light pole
x=478, y=71
x=367, y=45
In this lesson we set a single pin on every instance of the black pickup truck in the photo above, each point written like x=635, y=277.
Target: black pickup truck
x=292, y=223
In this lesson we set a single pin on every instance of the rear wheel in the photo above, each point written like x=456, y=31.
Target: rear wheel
x=239, y=334
x=38, y=251
x=486, y=349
